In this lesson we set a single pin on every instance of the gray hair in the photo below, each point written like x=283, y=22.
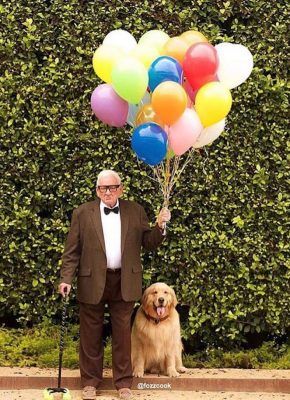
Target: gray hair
x=108, y=172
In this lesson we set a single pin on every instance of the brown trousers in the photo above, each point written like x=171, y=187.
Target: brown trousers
x=91, y=331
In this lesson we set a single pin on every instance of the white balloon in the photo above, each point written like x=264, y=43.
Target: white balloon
x=121, y=39
x=209, y=134
x=235, y=64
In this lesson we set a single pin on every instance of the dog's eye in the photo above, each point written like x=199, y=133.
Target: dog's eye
x=165, y=292
x=155, y=292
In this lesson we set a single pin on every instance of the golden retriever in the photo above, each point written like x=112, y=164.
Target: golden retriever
x=156, y=339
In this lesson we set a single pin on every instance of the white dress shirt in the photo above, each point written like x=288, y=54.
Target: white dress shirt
x=111, y=224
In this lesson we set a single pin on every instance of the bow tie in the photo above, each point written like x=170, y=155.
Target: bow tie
x=107, y=210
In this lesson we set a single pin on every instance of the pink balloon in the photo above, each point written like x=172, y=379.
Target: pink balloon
x=184, y=132
x=108, y=106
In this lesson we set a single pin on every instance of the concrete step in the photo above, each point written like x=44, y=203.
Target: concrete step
x=211, y=380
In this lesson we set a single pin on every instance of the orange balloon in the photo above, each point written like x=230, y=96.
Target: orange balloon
x=169, y=101
x=192, y=37
x=175, y=47
x=147, y=114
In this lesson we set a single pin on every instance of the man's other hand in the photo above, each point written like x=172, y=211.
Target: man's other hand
x=64, y=289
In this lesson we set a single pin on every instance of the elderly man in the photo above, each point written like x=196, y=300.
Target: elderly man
x=104, y=246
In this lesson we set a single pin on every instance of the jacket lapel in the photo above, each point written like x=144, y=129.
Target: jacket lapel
x=124, y=214
x=97, y=222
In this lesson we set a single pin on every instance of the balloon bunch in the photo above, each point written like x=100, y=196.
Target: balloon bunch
x=175, y=92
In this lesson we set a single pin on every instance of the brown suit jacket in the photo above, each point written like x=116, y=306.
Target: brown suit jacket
x=84, y=253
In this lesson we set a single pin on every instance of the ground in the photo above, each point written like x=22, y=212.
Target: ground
x=152, y=395
x=140, y=394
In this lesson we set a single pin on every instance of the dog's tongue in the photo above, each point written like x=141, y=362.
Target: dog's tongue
x=160, y=311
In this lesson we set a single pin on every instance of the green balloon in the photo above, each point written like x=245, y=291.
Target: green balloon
x=130, y=80
x=170, y=154
x=47, y=395
x=66, y=396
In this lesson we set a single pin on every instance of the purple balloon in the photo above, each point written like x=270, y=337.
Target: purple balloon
x=108, y=106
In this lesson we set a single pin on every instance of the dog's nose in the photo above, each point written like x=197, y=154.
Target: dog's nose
x=161, y=300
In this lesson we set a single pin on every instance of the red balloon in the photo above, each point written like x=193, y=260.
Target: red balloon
x=190, y=92
x=200, y=64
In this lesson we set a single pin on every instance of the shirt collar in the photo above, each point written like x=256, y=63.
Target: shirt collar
x=103, y=205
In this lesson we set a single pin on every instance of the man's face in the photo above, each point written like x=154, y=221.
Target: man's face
x=109, y=197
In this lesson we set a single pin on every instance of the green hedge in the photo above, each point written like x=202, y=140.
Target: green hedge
x=39, y=347
x=227, y=242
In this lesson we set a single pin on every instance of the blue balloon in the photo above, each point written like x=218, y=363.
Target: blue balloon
x=149, y=141
x=163, y=69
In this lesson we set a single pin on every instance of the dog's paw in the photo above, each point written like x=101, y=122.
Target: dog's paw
x=182, y=369
x=172, y=373
x=138, y=373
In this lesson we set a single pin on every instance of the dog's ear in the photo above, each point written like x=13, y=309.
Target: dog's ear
x=174, y=298
x=145, y=298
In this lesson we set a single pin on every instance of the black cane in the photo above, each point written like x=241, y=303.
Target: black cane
x=48, y=393
x=61, y=342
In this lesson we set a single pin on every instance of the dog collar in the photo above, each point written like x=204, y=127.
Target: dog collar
x=156, y=320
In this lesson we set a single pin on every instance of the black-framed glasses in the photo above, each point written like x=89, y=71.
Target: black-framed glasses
x=112, y=188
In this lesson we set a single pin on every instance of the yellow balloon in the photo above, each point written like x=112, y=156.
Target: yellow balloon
x=145, y=53
x=212, y=103
x=104, y=60
x=155, y=39
x=193, y=37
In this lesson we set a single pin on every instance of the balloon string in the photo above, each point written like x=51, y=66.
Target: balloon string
x=167, y=175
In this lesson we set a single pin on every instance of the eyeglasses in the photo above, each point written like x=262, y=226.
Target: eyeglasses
x=112, y=188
